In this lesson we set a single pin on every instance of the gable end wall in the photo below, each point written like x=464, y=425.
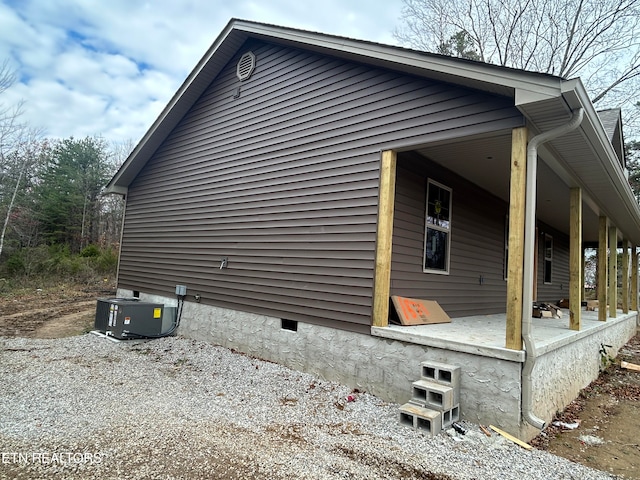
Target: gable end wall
x=283, y=181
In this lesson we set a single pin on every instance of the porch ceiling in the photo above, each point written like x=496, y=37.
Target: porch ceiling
x=582, y=158
x=485, y=161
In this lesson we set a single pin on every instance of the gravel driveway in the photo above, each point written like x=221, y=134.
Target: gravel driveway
x=86, y=407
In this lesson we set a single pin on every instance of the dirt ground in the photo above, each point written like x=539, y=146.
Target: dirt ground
x=51, y=313
x=606, y=414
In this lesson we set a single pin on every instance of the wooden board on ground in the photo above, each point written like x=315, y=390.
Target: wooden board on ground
x=413, y=311
x=508, y=436
x=630, y=366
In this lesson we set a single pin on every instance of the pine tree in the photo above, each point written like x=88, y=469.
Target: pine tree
x=68, y=196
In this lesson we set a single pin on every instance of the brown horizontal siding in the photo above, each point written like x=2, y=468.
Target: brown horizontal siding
x=477, y=242
x=559, y=286
x=284, y=182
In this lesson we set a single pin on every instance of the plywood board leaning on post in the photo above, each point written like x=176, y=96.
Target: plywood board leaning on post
x=413, y=311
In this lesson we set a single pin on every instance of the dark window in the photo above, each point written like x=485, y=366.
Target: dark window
x=438, y=228
x=548, y=257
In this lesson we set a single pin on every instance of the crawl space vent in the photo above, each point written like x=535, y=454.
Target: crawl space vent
x=246, y=64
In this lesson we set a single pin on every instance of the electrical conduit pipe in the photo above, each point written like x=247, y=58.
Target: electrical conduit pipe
x=529, y=245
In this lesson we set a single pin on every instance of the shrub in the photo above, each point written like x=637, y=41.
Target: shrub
x=90, y=251
x=14, y=264
x=55, y=263
x=107, y=262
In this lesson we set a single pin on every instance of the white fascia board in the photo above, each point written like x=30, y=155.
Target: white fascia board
x=116, y=190
x=576, y=95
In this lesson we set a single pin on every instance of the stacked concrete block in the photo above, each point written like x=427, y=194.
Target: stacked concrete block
x=434, y=403
x=420, y=418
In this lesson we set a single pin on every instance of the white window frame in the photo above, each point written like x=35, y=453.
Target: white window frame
x=547, y=257
x=439, y=228
x=506, y=248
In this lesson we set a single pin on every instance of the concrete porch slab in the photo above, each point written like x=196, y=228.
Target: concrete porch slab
x=485, y=334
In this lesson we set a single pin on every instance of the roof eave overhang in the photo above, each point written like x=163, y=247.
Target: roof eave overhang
x=489, y=78
x=527, y=89
x=624, y=211
x=619, y=203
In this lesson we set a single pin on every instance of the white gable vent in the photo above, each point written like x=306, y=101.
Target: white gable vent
x=245, y=67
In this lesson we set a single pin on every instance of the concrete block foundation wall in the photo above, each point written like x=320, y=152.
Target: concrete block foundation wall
x=490, y=388
x=563, y=369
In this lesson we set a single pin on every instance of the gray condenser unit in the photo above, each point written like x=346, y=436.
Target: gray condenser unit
x=129, y=318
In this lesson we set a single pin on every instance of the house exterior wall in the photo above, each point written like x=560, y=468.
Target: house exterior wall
x=478, y=223
x=559, y=286
x=279, y=174
x=478, y=235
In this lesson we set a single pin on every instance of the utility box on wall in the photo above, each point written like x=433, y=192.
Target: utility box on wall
x=127, y=318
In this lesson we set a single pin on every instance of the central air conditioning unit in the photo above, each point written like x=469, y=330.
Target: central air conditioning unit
x=127, y=318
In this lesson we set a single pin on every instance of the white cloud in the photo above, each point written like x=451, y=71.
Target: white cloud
x=89, y=67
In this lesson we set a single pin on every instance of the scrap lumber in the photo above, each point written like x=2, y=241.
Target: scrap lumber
x=630, y=366
x=508, y=436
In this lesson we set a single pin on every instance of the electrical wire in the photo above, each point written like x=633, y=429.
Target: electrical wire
x=173, y=328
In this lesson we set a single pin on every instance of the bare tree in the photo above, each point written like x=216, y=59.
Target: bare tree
x=21, y=164
x=10, y=134
x=112, y=206
x=597, y=40
x=10, y=126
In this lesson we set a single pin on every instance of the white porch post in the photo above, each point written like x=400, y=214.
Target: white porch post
x=575, y=259
x=613, y=271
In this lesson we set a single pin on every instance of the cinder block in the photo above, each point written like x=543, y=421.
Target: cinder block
x=420, y=418
x=450, y=416
x=441, y=373
x=432, y=395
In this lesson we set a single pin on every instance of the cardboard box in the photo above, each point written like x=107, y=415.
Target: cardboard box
x=592, y=305
x=413, y=311
x=546, y=310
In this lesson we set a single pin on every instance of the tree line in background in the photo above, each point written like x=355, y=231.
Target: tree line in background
x=54, y=222
x=52, y=214
x=596, y=40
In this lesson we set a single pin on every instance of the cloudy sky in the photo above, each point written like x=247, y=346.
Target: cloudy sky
x=108, y=67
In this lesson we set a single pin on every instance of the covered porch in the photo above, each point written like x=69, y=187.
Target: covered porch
x=485, y=334
x=492, y=388
x=560, y=169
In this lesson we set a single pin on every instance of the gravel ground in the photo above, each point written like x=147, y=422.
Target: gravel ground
x=85, y=407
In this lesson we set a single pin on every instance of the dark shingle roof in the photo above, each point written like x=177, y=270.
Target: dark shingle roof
x=610, y=121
